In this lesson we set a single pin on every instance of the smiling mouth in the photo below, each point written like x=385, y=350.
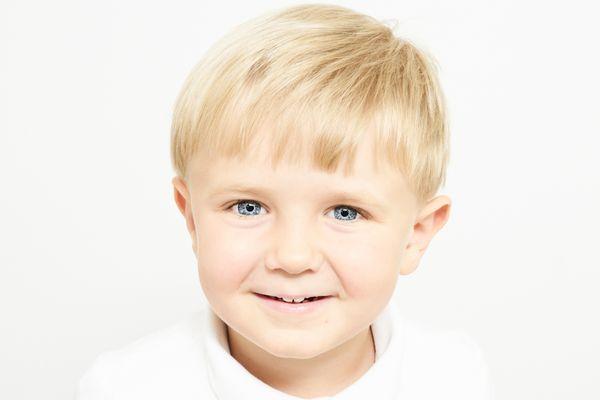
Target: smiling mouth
x=306, y=300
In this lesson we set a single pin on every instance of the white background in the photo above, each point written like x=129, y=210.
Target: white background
x=94, y=253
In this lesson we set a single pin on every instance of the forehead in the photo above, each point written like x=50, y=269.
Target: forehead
x=367, y=178
x=258, y=158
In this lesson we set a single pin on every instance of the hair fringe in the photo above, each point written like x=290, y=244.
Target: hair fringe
x=315, y=80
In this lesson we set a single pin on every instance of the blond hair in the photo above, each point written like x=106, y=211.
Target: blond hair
x=322, y=75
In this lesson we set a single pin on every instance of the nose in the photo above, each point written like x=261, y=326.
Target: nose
x=294, y=247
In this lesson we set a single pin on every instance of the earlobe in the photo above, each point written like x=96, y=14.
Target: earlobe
x=430, y=220
x=410, y=261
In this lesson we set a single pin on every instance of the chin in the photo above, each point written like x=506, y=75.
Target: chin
x=299, y=349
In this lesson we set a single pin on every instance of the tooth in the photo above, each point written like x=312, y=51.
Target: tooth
x=292, y=300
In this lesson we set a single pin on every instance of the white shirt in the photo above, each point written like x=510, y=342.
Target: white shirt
x=191, y=360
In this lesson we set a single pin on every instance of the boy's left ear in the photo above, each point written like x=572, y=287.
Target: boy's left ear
x=432, y=217
x=183, y=201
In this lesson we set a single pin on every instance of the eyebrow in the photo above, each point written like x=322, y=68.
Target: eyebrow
x=363, y=198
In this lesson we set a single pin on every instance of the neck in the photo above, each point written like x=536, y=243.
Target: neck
x=324, y=375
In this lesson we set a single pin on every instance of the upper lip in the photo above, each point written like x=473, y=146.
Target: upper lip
x=294, y=296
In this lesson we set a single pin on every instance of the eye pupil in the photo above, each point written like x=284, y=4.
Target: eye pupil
x=247, y=207
x=345, y=212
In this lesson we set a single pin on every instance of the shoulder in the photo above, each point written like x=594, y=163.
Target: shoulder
x=155, y=365
x=447, y=363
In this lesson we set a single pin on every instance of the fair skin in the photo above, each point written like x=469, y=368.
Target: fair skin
x=300, y=238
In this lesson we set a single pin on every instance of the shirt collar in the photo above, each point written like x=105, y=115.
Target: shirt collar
x=229, y=379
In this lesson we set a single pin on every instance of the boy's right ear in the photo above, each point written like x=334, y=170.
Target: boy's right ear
x=181, y=193
x=184, y=204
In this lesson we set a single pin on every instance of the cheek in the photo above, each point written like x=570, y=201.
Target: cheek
x=367, y=263
x=226, y=255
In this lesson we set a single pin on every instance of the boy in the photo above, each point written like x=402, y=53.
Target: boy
x=308, y=144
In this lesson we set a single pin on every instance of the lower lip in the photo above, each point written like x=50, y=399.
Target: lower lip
x=291, y=308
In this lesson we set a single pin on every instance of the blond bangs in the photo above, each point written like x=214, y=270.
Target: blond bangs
x=315, y=81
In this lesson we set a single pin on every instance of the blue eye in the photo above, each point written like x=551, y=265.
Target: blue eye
x=344, y=212
x=249, y=208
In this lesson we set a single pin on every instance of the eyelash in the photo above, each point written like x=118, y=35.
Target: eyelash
x=363, y=214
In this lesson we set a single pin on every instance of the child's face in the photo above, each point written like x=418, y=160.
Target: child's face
x=295, y=237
